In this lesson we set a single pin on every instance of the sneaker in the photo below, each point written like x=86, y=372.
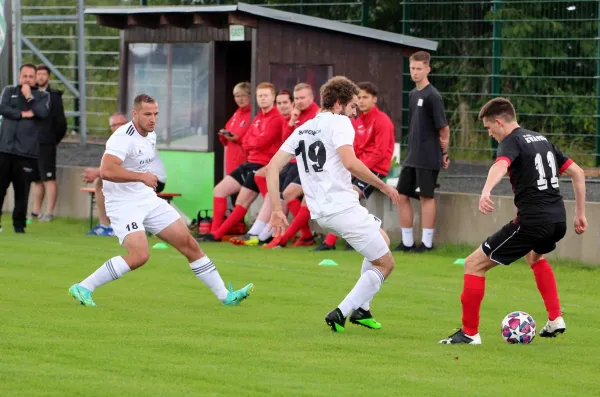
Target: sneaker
x=99, y=230
x=403, y=248
x=19, y=229
x=364, y=318
x=325, y=247
x=46, y=217
x=336, y=320
x=1, y=229
x=253, y=242
x=267, y=241
x=83, y=295
x=235, y=297
x=553, y=328
x=277, y=242
x=240, y=240
x=304, y=242
x=421, y=248
x=459, y=337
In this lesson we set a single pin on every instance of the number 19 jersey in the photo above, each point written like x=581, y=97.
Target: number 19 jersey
x=534, y=165
x=327, y=184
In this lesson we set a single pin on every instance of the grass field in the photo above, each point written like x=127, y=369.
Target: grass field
x=159, y=332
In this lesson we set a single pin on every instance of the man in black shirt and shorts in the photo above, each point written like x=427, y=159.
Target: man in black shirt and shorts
x=428, y=137
x=533, y=164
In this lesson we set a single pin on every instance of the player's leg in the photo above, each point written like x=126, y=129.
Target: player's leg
x=426, y=181
x=260, y=178
x=5, y=178
x=166, y=223
x=259, y=232
x=407, y=183
x=502, y=248
x=544, y=277
x=231, y=184
x=128, y=224
x=301, y=219
x=39, y=190
x=373, y=243
x=22, y=175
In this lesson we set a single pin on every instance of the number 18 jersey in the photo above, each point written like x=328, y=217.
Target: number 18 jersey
x=534, y=165
x=327, y=184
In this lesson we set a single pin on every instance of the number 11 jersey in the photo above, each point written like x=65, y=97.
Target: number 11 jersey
x=534, y=165
x=327, y=184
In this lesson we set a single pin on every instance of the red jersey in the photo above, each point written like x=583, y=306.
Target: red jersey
x=307, y=114
x=238, y=125
x=264, y=136
x=374, y=140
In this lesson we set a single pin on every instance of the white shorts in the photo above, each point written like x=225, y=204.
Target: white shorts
x=360, y=229
x=152, y=215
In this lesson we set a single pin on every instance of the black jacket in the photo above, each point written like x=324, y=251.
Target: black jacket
x=55, y=125
x=21, y=136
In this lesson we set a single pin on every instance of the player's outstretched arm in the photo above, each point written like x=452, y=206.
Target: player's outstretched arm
x=362, y=172
x=111, y=170
x=578, y=177
x=495, y=175
x=278, y=219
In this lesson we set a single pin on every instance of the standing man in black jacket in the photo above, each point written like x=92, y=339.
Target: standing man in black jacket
x=55, y=128
x=23, y=109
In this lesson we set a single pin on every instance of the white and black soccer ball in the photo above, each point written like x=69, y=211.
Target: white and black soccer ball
x=518, y=327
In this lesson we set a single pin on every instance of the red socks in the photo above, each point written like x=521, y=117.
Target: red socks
x=546, y=283
x=472, y=295
x=300, y=220
x=261, y=182
x=237, y=215
x=219, y=209
x=330, y=239
x=294, y=206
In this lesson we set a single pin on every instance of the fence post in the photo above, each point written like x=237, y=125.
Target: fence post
x=597, y=156
x=365, y=13
x=496, y=62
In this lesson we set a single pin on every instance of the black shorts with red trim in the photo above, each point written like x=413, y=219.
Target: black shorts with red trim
x=514, y=240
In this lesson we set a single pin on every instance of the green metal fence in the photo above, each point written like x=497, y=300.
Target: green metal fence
x=543, y=55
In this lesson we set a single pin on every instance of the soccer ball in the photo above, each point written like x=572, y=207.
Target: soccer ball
x=518, y=327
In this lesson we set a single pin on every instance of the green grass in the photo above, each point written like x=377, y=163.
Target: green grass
x=159, y=332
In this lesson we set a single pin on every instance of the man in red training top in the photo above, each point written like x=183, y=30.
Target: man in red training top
x=233, y=134
x=373, y=145
x=305, y=109
x=261, y=142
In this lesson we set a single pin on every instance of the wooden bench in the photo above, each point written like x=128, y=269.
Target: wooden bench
x=92, y=192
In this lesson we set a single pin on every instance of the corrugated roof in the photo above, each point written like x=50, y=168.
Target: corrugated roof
x=266, y=12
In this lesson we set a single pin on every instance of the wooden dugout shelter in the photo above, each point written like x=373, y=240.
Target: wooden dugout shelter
x=190, y=58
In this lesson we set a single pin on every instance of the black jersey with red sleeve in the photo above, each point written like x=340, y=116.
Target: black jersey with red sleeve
x=534, y=165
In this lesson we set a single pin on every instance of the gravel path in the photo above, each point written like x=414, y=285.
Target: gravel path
x=460, y=177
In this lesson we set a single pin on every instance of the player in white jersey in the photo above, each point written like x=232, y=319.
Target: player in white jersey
x=133, y=207
x=324, y=150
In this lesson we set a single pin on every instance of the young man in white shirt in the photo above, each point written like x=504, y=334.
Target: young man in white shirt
x=133, y=207
x=324, y=150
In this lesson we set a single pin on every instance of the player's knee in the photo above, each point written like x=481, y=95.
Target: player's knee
x=288, y=195
x=192, y=246
x=473, y=265
x=138, y=258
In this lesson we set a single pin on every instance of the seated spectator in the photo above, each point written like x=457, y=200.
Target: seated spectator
x=92, y=175
x=261, y=142
x=232, y=135
x=373, y=144
x=305, y=109
x=260, y=232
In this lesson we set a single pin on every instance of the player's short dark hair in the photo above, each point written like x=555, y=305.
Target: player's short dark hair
x=369, y=87
x=286, y=92
x=498, y=108
x=28, y=65
x=337, y=88
x=142, y=98
x=43, y=67
x=421, y=56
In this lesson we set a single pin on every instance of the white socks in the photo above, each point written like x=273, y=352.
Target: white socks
x=427, y=237
x=407, y=237
x=366, y=265
x=206, y=271
x=266, y=233
x=256, y=228
x=111, y=270
x=366, y=287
